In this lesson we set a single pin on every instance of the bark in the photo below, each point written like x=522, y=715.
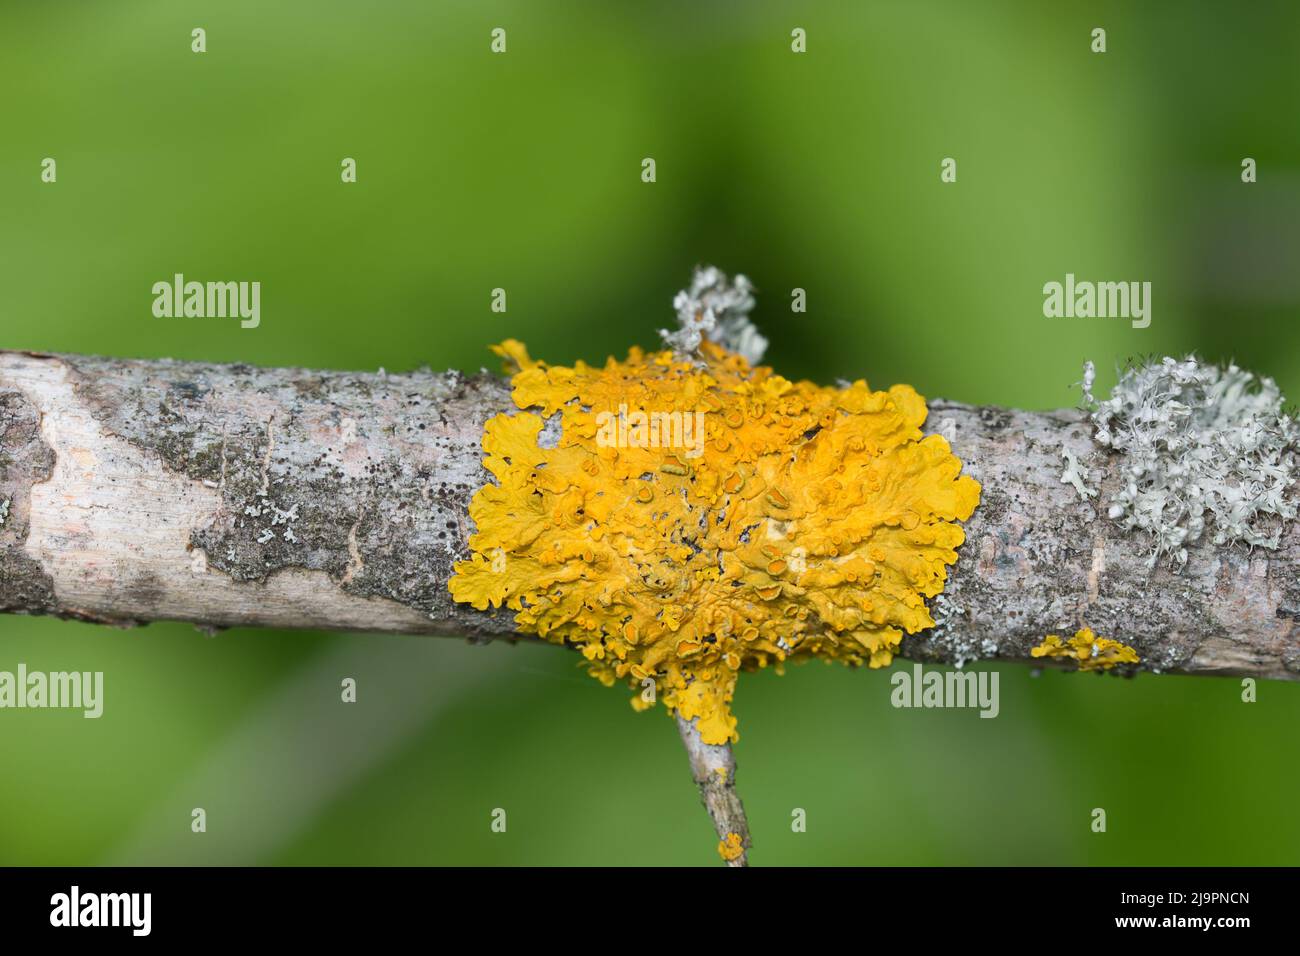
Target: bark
x=229, y=495
x=713, y=768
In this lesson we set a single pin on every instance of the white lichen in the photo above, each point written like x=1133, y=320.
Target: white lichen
x=716, y=309
x=1208, y=454
x=4, y=511
x=1089, y=377
x=1077, y=475
x=284, y=517
x=945, y=609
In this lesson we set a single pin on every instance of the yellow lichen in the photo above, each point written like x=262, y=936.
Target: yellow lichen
x=696, y=519
x=1092, y=653
x=731, y=848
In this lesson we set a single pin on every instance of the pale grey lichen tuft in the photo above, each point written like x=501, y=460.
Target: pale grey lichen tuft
x=1076, y=474
x=716, y=309
x=1208, y=454
x=960, y=643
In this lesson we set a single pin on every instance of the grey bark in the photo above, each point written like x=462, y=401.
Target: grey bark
x=713, y=768
x=230, y=495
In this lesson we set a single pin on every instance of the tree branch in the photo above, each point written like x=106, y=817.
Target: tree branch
x=229, y=495
x=232, y=496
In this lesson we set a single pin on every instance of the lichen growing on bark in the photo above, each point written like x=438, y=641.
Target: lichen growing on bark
x=1208, y=454
x=731, y=848
x=715, y=309
x=1090, y=652
x=806, y=521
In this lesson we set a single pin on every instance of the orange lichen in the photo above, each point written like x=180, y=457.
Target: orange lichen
x=731, y=848
x=1092, y=653
x=699, y=518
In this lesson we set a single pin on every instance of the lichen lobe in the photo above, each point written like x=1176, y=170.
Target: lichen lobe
x=1085, y=649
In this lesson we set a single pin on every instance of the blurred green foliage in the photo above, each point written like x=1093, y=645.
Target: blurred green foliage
x=521, y=171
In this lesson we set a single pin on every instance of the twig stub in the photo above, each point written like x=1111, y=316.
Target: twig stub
x=714, y=768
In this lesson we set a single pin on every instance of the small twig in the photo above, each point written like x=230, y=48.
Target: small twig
x=714, y=768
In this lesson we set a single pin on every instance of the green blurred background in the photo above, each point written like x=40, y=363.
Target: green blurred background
x=522, y=171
